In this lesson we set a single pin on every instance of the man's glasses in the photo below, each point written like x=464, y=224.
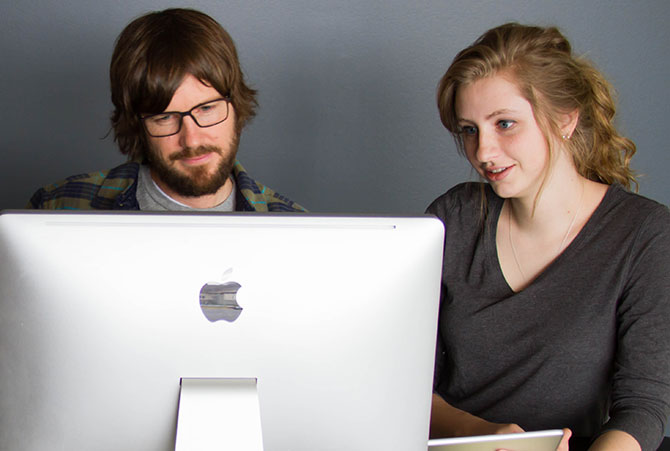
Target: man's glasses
x=204, y=115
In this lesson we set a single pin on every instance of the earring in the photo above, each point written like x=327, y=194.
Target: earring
x=565, y=137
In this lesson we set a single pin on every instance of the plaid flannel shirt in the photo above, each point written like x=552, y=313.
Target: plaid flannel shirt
x=116, y=190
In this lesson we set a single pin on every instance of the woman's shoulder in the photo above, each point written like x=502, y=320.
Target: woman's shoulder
x=634, y=208
x=631, y=224
x=464, y=196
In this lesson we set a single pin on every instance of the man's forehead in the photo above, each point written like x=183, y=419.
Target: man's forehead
x=191, y=92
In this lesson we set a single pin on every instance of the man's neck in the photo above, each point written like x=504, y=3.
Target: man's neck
x=199, y=202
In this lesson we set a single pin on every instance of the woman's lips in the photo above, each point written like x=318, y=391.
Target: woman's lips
x=497, y=173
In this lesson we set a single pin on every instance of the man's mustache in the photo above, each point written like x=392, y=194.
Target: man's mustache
x=190, y=152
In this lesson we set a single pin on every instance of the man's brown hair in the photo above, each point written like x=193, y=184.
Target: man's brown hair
x=152, y=56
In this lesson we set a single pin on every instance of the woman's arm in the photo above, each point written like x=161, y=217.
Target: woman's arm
x=615, y=441
x=640, y=395
x=448, y=421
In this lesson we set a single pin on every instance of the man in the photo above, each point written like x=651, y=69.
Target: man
x=180, y=103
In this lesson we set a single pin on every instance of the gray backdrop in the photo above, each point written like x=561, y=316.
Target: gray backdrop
x=347, y=119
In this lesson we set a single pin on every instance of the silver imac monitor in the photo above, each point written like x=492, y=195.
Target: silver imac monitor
x=103, y=316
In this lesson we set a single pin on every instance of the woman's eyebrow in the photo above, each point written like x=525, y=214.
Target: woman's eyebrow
x=499, y=112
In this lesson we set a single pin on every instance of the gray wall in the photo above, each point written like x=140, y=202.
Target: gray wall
x=348, y=121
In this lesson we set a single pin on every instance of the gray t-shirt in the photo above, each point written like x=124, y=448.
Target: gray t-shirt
x=589, y=339
x=151, y=198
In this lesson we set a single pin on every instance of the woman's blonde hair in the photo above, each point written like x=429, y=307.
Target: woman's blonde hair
x=555, y=83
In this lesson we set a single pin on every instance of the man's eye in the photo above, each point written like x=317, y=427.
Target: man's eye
x=163, y=118
x=209, y=108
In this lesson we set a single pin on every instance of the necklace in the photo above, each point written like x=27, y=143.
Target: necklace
x=511, y=243
x=572, y=223
x=565, y=237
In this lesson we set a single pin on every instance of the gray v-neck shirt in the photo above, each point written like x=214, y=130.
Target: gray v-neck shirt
x=588, y=339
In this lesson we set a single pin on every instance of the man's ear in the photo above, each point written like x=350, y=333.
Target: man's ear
x=569, y=124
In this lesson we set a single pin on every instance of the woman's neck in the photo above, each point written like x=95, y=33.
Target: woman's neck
x=533, y=230
x=555, y=203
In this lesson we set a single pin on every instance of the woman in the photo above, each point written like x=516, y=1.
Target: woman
x=555, y=308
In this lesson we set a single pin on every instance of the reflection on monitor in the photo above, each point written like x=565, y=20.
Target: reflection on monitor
x=101, y=315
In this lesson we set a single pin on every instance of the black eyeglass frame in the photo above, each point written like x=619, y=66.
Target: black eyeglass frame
x=182, y=114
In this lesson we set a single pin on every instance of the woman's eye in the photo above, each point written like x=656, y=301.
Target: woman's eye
x=468, y=130
x=505, y=124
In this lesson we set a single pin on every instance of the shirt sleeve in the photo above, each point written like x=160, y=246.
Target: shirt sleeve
x=640, y=400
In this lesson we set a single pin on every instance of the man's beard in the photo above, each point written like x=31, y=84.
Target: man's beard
x=199, y=180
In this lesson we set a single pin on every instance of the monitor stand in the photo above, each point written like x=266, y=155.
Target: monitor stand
x=217, y=414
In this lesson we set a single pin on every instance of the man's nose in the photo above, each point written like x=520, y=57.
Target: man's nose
x=190, y=133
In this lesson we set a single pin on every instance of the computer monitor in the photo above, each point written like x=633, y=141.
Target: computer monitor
x=102, y=315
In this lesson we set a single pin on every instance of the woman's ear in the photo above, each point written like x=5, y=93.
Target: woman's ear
x=569, y=123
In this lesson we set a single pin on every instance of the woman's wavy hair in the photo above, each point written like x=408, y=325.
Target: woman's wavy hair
x=555, y=82
x=152, y=56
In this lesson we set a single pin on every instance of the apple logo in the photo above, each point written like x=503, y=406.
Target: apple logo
x=218, y=300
